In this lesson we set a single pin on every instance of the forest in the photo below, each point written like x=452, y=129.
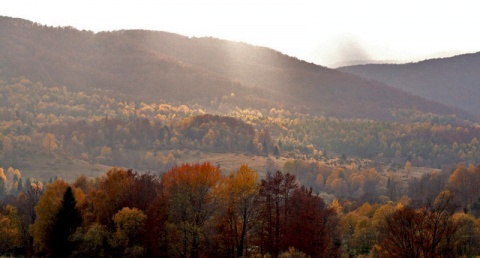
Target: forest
x=195, y=210
x=346, y=187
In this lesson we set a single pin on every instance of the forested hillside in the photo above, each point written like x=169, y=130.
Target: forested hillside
x=452, y=81
x=149, y=66
x=38, y=120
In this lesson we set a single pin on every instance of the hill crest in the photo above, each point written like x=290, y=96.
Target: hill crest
x=453, y=81
x=148, y=65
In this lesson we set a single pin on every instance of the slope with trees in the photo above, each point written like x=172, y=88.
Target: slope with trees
x=148, y=66
x=452, y=81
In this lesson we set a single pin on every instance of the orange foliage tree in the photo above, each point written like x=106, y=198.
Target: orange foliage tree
x=46, y=210
x=193, y=199
x=237, y=197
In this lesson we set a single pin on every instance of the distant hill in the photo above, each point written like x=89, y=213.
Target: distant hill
x=152, y=66
x=453, y=81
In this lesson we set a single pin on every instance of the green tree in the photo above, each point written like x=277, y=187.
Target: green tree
x=130, y=229
x=91, y=242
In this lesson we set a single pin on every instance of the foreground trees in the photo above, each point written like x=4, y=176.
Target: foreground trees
x=47, y=209
x=193, y=199
x=235, y=222
x=66, y=221
x=291, y=216
x=420, y=233
x=195, y=211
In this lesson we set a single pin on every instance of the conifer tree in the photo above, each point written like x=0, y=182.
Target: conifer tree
x=66, y=221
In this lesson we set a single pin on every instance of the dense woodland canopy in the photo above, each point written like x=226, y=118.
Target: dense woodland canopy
x=38, y=120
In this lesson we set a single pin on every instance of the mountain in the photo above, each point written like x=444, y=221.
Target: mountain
x=453, y=81
x=138, y=65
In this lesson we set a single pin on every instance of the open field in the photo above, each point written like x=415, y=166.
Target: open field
x=45, y=166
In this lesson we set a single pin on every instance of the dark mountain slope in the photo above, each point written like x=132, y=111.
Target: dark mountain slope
x=146, y=65
x=453, y=81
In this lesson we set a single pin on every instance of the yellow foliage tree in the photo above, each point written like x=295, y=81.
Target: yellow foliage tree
x=3, y=183
x=46, y=210
x=129, y=225
x=10, y=234
x=238, y=193
x=49, y=143
x=112, y=192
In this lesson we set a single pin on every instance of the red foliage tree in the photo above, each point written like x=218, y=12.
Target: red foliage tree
x=312, y=227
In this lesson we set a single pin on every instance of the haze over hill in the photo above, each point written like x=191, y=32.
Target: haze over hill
x=453, y=81
x=146, y=65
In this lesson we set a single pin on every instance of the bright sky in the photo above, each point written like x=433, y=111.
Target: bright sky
x=320, y=31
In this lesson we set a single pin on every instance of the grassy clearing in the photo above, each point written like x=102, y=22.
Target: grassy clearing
x=44, y=166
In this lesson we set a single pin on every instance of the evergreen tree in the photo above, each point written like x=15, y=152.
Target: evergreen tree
x=66, y=221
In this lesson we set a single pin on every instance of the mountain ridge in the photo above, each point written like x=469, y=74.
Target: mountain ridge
x=453, y=81
x=150, y=65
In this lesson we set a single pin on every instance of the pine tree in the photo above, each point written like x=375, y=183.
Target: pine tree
x=66, y=221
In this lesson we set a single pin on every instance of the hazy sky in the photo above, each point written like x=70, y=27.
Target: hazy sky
x=320, y=31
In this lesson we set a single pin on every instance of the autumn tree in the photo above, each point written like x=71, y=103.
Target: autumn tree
x=26, y=202
x=347, y=226
x=464, y=183
x=426, y=232
x=467, y=239
x=130, y=228
x=400, y=234
x=312, y=227
x=49, y=142
x=273, y=203
x=91, y=241
x=238, y=195
x=3, y=184
x=46, y=210
x=191, y=190
x=10, y=234
x=113, y=193
x=155, y=235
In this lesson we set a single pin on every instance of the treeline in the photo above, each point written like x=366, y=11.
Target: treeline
x=190, y=211
x=366, y=183
x=194, y=210
x=423, y=139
